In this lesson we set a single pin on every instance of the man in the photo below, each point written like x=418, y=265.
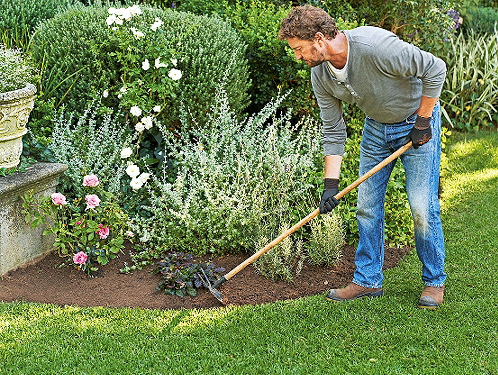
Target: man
x=397, y=86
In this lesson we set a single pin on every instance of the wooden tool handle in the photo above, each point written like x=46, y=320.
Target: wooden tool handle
x=339, y=195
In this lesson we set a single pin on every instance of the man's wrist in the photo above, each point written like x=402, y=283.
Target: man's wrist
x=422, y=123
x=331, y=183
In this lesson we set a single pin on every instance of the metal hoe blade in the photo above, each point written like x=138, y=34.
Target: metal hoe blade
x=207, y=284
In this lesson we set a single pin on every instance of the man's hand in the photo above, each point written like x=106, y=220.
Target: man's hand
x=421, y=132
x=328, y=201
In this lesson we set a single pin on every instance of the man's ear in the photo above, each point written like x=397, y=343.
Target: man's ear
x=320, y=38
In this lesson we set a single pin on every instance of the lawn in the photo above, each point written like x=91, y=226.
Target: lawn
x=388, y=335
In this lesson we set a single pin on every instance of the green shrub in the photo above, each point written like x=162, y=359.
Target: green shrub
x=78, y=50
x=424, y=23
x=233, y=184
x=15, y=71
x=20, y=18
x=273, y=64
x=284, y=260
x=470, y=92
x=89, y=144
x=326, y=239
x=481, y=20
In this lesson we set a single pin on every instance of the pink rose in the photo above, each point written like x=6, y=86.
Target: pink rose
x=103, y=232
x=80, y=258
x=58, y=199
x=92, y=201
x=90, y=180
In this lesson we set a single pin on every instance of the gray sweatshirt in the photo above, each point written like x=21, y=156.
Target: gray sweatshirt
x=386, y=78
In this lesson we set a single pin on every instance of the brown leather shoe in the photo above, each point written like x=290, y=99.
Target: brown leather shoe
x=353, y=291
x=431, y=297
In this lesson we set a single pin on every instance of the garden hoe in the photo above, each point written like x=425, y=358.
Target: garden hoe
x=276, y=241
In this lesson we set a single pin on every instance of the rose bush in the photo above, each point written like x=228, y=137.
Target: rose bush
x=91, y=230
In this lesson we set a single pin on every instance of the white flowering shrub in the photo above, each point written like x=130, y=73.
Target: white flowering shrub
x=148, y=59
x=90, y=144
x=233, y=184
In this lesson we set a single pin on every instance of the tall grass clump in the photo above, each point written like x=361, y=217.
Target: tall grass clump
x=90, y=144
x=470, y=93
x=19, y=18
x=234, y=184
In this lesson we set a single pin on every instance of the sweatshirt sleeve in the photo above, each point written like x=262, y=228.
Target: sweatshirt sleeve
x=399, y=58
x=334, y=127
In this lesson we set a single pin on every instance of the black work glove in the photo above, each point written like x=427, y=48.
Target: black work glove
x=328, y=202
x=421, y=132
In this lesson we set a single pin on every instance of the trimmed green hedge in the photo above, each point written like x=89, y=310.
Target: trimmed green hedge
x=75, y=49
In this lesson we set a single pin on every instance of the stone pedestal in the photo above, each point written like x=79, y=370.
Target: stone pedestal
x=19, y=242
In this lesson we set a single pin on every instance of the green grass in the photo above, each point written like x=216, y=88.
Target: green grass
x=389, y=335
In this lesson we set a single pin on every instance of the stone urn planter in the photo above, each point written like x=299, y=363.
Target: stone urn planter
x=15, y=107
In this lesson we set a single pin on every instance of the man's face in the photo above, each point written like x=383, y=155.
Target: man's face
x=308, y=51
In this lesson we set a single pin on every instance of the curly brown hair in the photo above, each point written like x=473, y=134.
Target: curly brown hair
x=303, y=22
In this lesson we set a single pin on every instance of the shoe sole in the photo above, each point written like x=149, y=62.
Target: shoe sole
x=370, y=294
x=429, y=307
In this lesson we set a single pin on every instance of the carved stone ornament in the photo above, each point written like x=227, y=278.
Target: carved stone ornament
x=15, y=107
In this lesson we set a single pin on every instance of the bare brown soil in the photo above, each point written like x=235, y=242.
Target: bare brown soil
x=44, y=281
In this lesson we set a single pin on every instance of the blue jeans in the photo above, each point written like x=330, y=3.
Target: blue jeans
x=422, y=180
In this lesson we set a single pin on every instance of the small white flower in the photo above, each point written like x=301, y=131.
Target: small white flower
x=126, y=152
x=139, y=127
x=120, y=96
x=133, y=171
x=157, y=108
x=159, y=64
x=174, y=61
x=118, y=21
x=145, y=65
x=105, y=94
x=123, y=89
x=114, y=28
x=156, y=25
x=110, y=20
x=129, y=233
x=137, y=33
x=144, y=177
x=147, y=121
x=175, y=74
x=135, y=111
x=136, y=183
x=135, y=10
x=125, y=13
x=112, y=10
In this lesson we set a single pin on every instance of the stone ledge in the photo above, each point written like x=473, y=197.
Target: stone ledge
x=19, y=242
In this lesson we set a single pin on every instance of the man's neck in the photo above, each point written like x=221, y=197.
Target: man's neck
x=337, y=51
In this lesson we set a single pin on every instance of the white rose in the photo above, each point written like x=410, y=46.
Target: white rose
x=144, y=177
x=174, y=61
x=126, y=152
x=159, y=64
x=132, y=170
x=123, y=89
x=136, y=183
x=139, y=127
x=145, y=65
x=135, y=10
x=147, y=121
x=135, y=111
x=110, y=20
x=105, y=94
x=157, y=108
x=112, y=10
x=175, y=74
